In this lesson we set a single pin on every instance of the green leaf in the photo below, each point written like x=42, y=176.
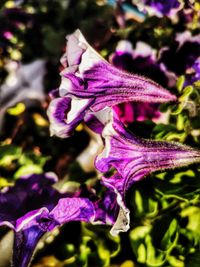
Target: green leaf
x=193, y=215
x=28, y=169
x=187, y=91
x=4, y=182
x=8, y=154
x=197, y=84
x=31, y=158
x=166, y=236
x=180, y=83
x=137, y=237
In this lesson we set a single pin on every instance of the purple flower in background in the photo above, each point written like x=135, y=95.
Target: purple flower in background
x=23, y=208
x=129, y=112
x=182, y=53
x=160, y=7
x=163, y=7
x=141, y=60
x=90, y=83
x=193, y=73
x=122, y=58
x=134, y=158
x=33, y=207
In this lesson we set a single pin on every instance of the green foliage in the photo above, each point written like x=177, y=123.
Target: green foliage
x=17, y=163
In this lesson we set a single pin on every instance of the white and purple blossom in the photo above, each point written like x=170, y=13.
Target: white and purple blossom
x=134, y=158
x=90, y=84
x=33, y=207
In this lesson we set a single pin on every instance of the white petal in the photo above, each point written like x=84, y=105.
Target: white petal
x=77, y=106
x=65, y=86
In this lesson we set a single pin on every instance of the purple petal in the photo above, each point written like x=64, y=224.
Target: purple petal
x=96, y=121
x=24, y=246
x=29, y=229
x=194, y=73
x=134, y=158
x=25, y=209
x=107, y=208
x=122, y=221
x=129, y=112
x=141, y=60
x=73, y=209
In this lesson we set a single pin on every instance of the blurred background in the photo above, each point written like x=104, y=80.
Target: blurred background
x=157, y=39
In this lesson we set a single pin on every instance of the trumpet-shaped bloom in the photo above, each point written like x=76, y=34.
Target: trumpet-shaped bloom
x=89, y=84
x=134, y=158
x=33, y=207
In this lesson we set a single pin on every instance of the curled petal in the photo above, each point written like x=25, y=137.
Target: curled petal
x=73, y=209
x=96, y=121
x=24, y=246
x=65, y=114
x=107, y=208
x=122, y=222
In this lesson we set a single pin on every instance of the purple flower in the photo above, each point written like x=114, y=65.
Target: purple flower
x=193, y=73
x=182, y=53
x=142, y=60
x=33, y=207
x=90, y=83
x=160, y=7
x=134, y=158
